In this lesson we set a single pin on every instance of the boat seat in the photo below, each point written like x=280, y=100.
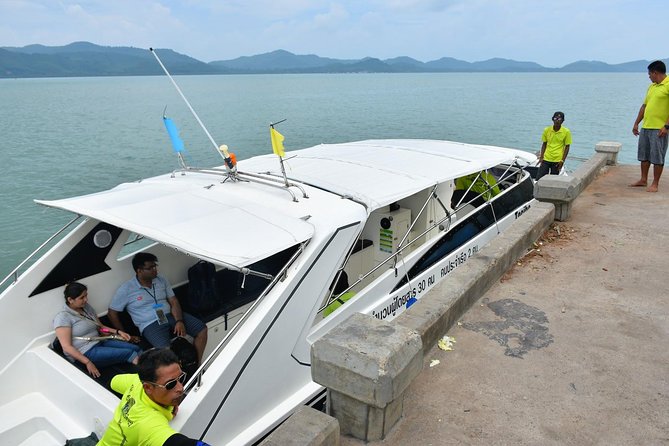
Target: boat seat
x=127, y=322
x=106, y=373
x=234, y=290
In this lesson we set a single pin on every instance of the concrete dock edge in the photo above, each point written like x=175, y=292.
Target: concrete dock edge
x=308, y=427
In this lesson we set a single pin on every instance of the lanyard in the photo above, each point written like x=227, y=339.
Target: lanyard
x=152, y=294
x=87, y=317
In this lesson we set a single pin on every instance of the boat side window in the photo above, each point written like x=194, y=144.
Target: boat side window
x=134, y=244
x=471, y=226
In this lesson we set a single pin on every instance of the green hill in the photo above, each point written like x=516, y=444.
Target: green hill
x=89, y=59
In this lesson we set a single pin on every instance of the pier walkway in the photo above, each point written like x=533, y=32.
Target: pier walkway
x=571, y=347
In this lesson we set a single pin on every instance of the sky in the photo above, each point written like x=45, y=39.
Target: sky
x=551, y=33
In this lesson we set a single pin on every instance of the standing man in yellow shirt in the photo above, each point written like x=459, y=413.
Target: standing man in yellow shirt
x=555, y=142
x=654, y=113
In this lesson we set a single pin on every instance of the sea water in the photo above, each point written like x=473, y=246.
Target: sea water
x=71, y=136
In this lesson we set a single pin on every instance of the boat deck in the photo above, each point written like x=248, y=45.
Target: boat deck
x=38, y=408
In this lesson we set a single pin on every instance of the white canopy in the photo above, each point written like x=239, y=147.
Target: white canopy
x=380, y=172
x=240, y=223
x=193, y=218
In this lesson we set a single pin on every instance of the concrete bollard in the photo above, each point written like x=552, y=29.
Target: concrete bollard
x=559, y=190
x=611, y=149
x=306, y=427
x=366, y=365
x=562, y=190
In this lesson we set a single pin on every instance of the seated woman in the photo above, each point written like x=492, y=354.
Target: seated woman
x=77, y=321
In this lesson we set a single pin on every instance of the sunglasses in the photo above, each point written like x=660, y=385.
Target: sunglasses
x=171, y=384
x=558, y=118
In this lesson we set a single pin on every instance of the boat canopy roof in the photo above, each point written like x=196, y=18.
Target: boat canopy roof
x=240, y=223
x=193, y=218
x=380, y=172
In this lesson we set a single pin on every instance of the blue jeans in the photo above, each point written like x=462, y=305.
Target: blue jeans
x=111, y=352
x=159, y=336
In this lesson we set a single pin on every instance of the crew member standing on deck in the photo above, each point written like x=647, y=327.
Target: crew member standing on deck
x=654, y=113
x=555, y=142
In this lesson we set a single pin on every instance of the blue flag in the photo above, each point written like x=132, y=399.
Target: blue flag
x=173, y=131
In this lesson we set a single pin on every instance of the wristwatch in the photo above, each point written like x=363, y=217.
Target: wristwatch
x=666, y=126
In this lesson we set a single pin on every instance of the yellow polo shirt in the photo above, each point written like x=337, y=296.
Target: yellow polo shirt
x=555, y=143
x=657, y=105
x=485, y=184
x=138, y=421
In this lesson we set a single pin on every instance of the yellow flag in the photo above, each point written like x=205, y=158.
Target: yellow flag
x=277, y=142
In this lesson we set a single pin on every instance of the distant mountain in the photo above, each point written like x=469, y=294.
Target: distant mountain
x=596, y=66
x=276, y=61
x=448, y=64
x=507, y=65
x=403, y=61
x=89, y=59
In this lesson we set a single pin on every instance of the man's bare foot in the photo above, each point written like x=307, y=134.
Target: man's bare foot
x=640, y=183
x=652, y=188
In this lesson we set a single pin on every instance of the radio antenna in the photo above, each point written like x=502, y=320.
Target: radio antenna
x=197, y=118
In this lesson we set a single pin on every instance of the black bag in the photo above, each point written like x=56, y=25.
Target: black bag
x=202, y=290
x=91, y=440
x=186, y=353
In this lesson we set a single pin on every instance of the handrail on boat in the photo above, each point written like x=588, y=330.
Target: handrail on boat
x=197, y=382
x=15, y=271
x=394, y=257
x=245, y=176
x=276, y=180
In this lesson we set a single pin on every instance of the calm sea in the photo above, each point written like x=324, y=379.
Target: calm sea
x=71, y=136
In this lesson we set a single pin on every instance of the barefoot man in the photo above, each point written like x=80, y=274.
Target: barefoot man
x=653, y=135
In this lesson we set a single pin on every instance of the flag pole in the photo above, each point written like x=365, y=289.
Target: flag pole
x=283, y=169
x=197, y=118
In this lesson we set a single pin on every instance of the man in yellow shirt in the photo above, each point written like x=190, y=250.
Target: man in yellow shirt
x=653, y=135
x=555, y=143
x=150, y=400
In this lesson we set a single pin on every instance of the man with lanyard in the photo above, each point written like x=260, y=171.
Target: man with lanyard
x=555, y=142
x=150, y=400
x=154, y=308
x=653, y=135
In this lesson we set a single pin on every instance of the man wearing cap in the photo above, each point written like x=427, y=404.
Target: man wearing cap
x=555, y=142
x=654, y=113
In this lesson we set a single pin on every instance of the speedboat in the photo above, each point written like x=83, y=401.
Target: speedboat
x=298, y=246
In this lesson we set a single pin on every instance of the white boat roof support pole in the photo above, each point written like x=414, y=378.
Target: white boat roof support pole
x=187, y=103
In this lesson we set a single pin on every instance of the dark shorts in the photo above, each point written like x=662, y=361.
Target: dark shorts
x=160, y=335
x=548, y=167
x=651, y=147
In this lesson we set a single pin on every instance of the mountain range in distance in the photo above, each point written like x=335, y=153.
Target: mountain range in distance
x=88, y=59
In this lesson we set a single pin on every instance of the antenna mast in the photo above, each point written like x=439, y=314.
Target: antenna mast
x=197, y=118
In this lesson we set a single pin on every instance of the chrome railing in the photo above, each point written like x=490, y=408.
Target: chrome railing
x=15, y=272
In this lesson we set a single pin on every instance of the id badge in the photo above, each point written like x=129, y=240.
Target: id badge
x=160, y=314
